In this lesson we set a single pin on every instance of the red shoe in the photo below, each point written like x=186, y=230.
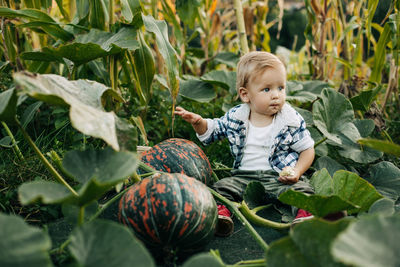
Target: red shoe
x=302, y=215
x=225, y=223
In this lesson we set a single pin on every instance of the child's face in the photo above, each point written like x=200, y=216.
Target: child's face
x=265, y=92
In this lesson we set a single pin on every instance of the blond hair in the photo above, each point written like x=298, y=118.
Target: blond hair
x=252, y=63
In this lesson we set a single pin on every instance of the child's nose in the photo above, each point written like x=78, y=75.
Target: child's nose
x=274, y=93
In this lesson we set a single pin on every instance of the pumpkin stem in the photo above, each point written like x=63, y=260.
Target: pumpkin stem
x=253, y=217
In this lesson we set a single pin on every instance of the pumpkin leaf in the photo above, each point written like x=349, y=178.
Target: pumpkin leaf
x=363, y=100
x=8, y=105
x=307, y=245
x=333, y=115
x=222, y=78
x=318, y=205
x=105, y=166
x=45, y=192
x=90, y=248
x=228, y=58
x=88, y=47
x=383, y=206
x=197, y=90
x=385, y=177
x=22, y=244
x=322, y=182
x=351, y=150
x=353, y=188
x=328, y=163
x=304, y=92
x=370, y=241
x=86, y=109
x=187, y=11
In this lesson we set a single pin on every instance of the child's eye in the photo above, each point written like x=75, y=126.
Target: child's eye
x=281, y=88
x=266, y=89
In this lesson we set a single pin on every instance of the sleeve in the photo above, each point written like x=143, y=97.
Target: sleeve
x=302, y=139
x=216, y=130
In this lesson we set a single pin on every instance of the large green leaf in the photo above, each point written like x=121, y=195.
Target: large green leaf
x=106, y=166
x=307, y=245
x=363, y=100
x=345, y=191
x=160, y=29
x=385, y=176
x=197, y=90
x=86, y=110
x=333, y=115
x=371, y=241
x=353, y=188
x=351, y=150
x=22, y=245
x=45, y=192
x=40, y=19
x=87, y=47
x=318, y=205
x=223, y=78
x=96, y=171
x=328, y=163
x=105, y=243
x=8, y=105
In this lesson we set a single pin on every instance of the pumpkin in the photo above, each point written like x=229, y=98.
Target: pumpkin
x=171, y=212
x=177, y=155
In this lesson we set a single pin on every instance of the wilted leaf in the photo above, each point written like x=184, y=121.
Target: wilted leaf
x=384, y=146
x=86, y=109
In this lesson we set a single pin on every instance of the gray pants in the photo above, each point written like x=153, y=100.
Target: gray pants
x=234, y=187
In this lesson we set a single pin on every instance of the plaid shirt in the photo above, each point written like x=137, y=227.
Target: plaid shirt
x=291, y=135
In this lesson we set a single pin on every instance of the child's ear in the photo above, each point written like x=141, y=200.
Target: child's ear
x=243, y=94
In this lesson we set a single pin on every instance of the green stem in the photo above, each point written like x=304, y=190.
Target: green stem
x=46, y=163
x=320, y=141
x=81, y=215
x=250, y=263
x=233, y=207
x=254, y=218
x=14, y=142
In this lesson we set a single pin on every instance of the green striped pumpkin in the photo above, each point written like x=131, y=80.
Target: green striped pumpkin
x=170, y=211
x=176, y=155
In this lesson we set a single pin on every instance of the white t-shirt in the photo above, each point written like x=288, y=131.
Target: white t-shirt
x=257, y=148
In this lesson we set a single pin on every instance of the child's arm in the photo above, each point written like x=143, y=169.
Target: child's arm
x=199, y=124
x=304, y=162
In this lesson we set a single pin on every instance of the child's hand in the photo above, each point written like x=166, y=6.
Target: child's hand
x=289, y=175
x=188, y=116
